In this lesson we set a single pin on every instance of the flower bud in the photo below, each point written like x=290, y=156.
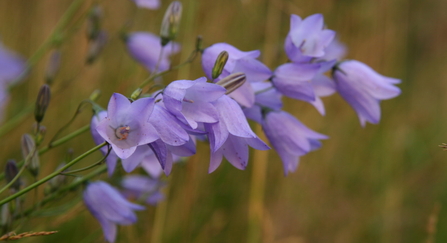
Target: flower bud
x=171, y=22
x=42, y=102
x=94, y=22
x=232, y=82
x=96, y=46
x=11, y=171
x=136, y=94
x=30, y=154
x=219, y=64
x=52, y=66
x=95, y=95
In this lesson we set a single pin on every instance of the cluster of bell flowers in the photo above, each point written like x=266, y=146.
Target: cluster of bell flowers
x=154, y=132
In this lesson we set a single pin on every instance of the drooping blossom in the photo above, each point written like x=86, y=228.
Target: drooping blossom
x=149, y=4
x=146, y=47
x=126, y=125
x=290, y=138
x=231, y=136
x=190, y=101
x=111, y=159
x=307, y=38
x=238, y=61
x=138, y=186
x=363, y=88
x=109, y=207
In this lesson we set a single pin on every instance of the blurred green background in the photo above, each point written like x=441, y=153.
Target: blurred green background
x=381, y=183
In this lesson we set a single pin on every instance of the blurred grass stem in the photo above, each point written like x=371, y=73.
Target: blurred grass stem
x=257, y=187
x=57, y=32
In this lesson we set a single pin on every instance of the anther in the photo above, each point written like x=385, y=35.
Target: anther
x=122, y=132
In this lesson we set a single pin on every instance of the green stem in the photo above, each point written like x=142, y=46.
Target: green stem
x=67, y=188
x=64, y=139
x=90, y=166
x=56, y=173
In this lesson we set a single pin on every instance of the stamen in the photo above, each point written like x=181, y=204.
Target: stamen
x=189, y=101
x=122, y=132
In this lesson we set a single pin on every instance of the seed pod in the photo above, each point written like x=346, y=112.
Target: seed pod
x=30, y=154
x=171, y=22
x=219, y=64
x=11, y=171
x=232, y=82
x=42, y=102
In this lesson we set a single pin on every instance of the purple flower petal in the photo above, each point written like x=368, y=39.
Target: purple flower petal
x=167, y=127
x=150, y=4
x=146, y=47
x=293, y=80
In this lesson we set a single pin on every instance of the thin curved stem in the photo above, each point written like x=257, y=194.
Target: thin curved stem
x=78, y=111
x=56, y=173
x=90, y=166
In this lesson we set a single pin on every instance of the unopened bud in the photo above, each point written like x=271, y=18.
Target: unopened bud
x=96, y=47
x=11, y=171
x=94, y=22
x=136, y=94
x=42, y=102
x=30, y=154
x=52, y=66
x=171, y=22
x=232, y=82
x=219, y=64
x=95, y=95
